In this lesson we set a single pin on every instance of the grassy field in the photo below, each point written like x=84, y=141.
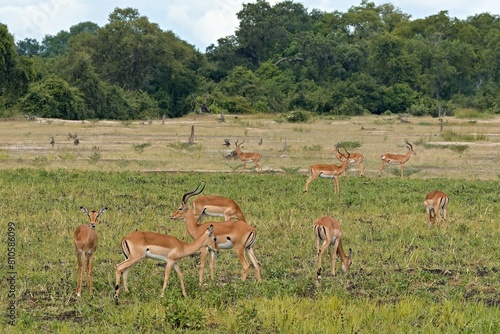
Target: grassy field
x=405, y=277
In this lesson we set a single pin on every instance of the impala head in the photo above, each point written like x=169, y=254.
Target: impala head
x=212, y=243
x=345, y=268
x=182, y=211
x=410, y=147
x=93, y=215
x=239, y=146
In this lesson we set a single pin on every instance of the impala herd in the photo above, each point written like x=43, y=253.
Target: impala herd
x=234, y=232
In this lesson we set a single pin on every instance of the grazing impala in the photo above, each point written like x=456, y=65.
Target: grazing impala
x=230, y=234
x=397, y=158
x=85, y=240
x=357, y=158
x=327, y=230
x=434, y=202
x=248, y=157
x=328, y=171
x=161, y=247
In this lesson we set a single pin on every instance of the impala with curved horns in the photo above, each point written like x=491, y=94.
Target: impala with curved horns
x=230, y=234
x=161, y=247
x=328, y=233
x=397, y=158
x=216, y=206
x=355, y=157
x=328, y=171
x=248, y=157
x=85, y=240
x=435, y=202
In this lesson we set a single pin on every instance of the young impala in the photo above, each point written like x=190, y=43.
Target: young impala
x=161, y=247
x=435, y=202
x=230, y=234
x=248, y=157
x=327, y=233
x=85, y=240
x=357, y=158
x=328, y=171
x=397, y=158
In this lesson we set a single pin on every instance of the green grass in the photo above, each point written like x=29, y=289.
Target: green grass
x=405, y=277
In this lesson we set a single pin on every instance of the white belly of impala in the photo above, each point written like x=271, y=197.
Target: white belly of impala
x=326, y=176
x=226, y=245
x=155, y=256
x=213, y=214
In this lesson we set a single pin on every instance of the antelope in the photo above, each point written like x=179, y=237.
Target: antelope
x=230, y=234
x=397, y=158
x=357, y=158
x=328, y=171
x=161, y=247
x=216, y=206
x=248, y=157
x=327, y=230
x=434, y=202
x=85, y=240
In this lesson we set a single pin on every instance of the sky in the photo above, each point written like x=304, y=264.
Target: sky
x=198, y=22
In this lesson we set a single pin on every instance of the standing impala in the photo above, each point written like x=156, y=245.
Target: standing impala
x=85, y=240
x=216, y=206
x=357, y=158
x=397, y=158
x=230, y=234
x=328, y=171
x=161, y=247
x=327, y=230
x=248, y=157
x=434, y=202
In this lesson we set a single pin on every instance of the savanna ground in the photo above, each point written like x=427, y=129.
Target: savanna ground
x=405, y=277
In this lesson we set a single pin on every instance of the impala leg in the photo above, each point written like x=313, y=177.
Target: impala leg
x=168, y=269
x=255, y=262
x=309, y=180
x=240, y=252
x=79, y=276
x=429, y=215
x=336, y=181
x=89, y=271
x=123, y=269
x=444, y=212
x=321, y=250
x=211, y=265
x=244, y=166
x=361, y=168
x=402, y=170
x=382, y=167
x=179, y=273
x=204, y=251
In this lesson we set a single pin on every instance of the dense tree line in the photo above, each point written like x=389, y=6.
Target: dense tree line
x=370, y=59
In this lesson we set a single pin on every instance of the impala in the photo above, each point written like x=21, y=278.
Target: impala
x=357, y=158
x=230, y=234
x=161, y=247
x=85, y=240
x=434, y=202
x=328, y=171
x=217, y=206
x=327, y=233
x=397, y=158
x=248, y=157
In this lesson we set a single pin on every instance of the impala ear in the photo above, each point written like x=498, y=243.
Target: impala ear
x=103, y=210
x=84, y=210
x=210, y=230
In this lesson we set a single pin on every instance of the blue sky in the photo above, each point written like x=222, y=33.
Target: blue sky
x=199, y=22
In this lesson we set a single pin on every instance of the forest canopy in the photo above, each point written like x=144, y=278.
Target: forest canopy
x=282, y=58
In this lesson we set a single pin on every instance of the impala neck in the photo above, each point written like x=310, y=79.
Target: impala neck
x=193, y=247
x=343, y=257
x=191, y=224
x=407, y=156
